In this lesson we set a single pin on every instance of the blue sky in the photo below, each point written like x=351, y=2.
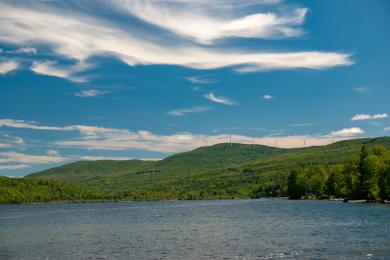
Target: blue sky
x=146, y=79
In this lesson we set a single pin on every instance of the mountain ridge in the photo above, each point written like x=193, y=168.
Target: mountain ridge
x=221, y=163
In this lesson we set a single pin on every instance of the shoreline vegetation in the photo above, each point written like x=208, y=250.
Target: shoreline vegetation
x=351, y=171
x=59, y=202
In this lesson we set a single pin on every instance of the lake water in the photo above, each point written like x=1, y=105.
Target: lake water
x=230, y=229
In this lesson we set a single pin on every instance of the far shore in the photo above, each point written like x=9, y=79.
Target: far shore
x=216, y=199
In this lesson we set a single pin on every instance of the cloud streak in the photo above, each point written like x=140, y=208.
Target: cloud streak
x=7, y=141
x=200, y=80
x=360, y=117
x=184, y=111
x=222, y=100
x=15, y=157
x=21, y=50
x=14, y=167
x=83, y=129
x=90, y=93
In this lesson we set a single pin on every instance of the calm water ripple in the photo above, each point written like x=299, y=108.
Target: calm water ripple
x=231, y=229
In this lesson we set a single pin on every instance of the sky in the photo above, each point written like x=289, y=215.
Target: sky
x=90, y=80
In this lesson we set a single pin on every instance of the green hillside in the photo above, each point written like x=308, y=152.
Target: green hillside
x=219, y=171
x=108, y=176
x=29, y=190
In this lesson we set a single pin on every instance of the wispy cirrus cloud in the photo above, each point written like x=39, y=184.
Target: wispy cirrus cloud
x=51, y=68
x=21, y=50
x=204, y=23
x=200, y=80
x=85, y=34
x=7, y=141
x=14, y=166
x=91, y=93
x=83, y=129
x=360, y=117
x=237, y=128
x=25, y=124
x=184, y=111
x=16, y=157
x=8, y=66
x=52, y=152
x=222, y=100
x=302, y=124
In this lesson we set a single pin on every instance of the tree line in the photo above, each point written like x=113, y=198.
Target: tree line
x=364, y=177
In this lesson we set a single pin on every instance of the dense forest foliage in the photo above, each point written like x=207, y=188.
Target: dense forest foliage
x=14, y=190
x=365, y=177
x=343, y=170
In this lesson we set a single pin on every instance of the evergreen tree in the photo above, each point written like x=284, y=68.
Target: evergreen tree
x=362, y=173
x=294, y=190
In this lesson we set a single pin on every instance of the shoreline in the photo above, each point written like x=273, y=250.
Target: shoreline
x=218, y=199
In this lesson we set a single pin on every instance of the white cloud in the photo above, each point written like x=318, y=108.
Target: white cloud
x=200, y=80
x=221, y=100
x=360, y=117
x=83, y=36
x=7, y=141
x=90, y=93
x=269, y=97
x=205, y=23
x=14, y=167
x=26, y=50
x=83, y=129
x=186, y=141
x=21, y=50
x=25, y=124
x=15, y=157
x=348, y=132
x=8, y=66
x=101, y=138
x=52, y=152
x=183, y=111
x=387, y=128
x=51, y=68
x=302, y=124
x=238, y=128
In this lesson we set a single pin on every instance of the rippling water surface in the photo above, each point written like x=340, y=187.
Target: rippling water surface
x=231, y=229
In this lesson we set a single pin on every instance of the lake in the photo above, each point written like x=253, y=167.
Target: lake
x=228, y=229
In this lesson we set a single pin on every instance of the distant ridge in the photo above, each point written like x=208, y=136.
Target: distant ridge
x=216, y=168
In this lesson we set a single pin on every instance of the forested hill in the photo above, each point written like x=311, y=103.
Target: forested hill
x=218, y=171
x=32, y=190
x=199, y=160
